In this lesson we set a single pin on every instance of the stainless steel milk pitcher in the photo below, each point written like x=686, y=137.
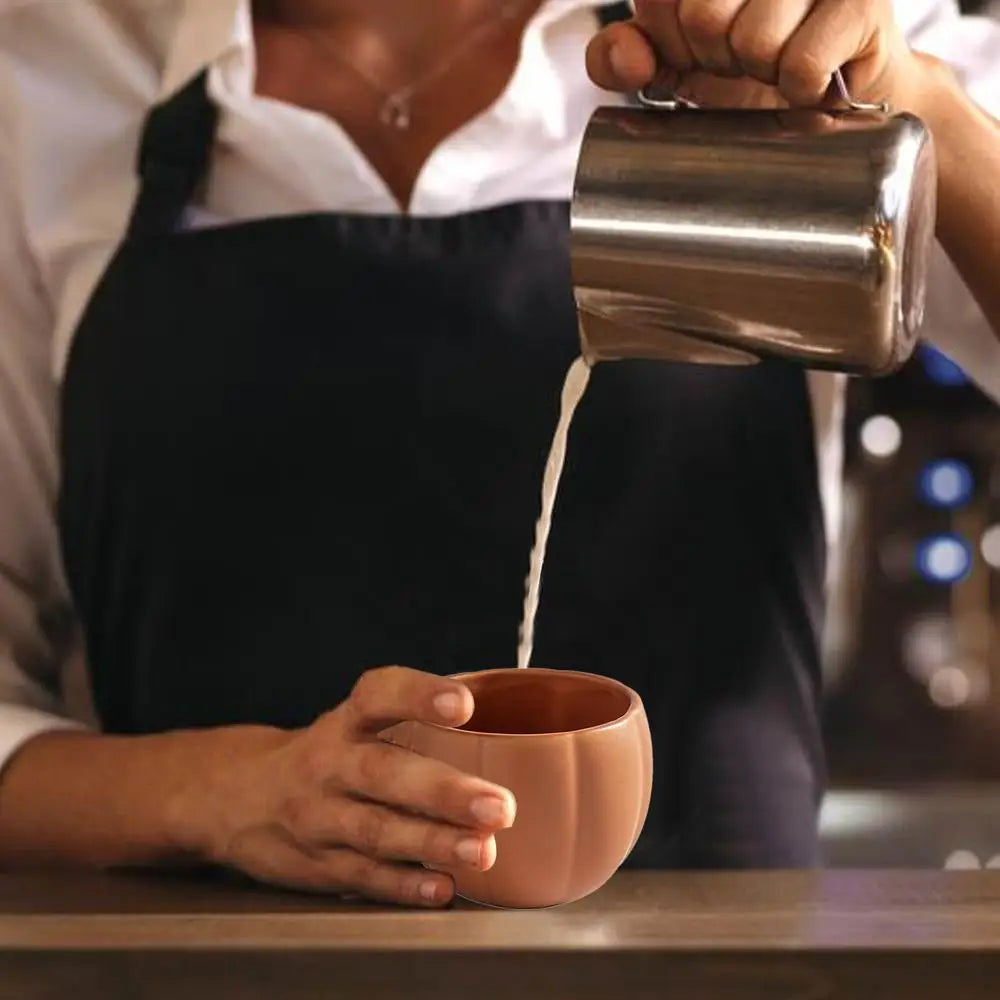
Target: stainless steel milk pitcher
x=720, y=236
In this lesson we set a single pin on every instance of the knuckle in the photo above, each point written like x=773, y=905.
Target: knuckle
x=312, y=764
x=370, y=831
x=755, y=50
x=368, y=696
x=359, y=871
x=447, y=798
x=438, y=844
x=704, y=22
x=371, y=767
x=293, y=814
x=803, y=74
x=365, y=686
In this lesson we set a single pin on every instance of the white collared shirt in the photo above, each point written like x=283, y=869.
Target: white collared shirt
x=77, y=78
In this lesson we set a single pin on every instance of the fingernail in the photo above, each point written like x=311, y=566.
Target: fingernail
x=470, y=850
x=448, y=705
x=490, y=810
x=429, y=890
x=619, y=64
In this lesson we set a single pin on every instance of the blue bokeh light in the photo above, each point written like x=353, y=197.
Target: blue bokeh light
x=940, y=369
x=944, y=558
x=946, y=483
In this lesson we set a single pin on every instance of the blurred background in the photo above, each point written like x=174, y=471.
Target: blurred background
x=913, y=641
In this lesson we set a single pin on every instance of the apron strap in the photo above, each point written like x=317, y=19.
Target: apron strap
x=174, y=154
x=612, y=13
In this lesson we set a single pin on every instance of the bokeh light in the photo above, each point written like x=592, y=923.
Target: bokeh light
x=946, y=483
x=944, y=559
x=989, y=546
x=881, y=436
x=940, y=369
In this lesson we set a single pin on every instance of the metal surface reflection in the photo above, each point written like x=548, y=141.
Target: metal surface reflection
x=729, y=236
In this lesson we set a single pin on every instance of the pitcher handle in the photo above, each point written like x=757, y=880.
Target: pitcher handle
x=674, y=100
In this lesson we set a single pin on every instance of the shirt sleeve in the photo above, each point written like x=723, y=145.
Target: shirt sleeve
x=954, y=323
x=36, y=622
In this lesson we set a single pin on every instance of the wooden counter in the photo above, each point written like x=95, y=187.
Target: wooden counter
x=766, y=936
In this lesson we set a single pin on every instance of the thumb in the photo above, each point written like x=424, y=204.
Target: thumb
x=621, y=58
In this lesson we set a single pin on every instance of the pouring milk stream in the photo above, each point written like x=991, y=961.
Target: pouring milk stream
x=573, y=389
x=817, y=256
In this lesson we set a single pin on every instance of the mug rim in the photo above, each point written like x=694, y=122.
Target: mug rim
x=635, y=703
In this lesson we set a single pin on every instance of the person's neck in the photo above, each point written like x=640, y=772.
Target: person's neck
x=430, y=18
x=410, y=33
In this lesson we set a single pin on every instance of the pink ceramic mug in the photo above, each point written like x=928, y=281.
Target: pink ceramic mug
x=575, y=750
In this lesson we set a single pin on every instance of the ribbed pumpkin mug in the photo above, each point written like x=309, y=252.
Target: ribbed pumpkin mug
x=576, y=752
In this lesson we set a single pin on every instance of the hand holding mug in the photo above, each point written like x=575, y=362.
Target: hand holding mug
x=335, y=808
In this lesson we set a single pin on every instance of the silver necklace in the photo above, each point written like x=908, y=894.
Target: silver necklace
x=397, y=105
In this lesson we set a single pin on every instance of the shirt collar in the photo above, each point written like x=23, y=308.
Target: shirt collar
x=210, y=32
x=206, y=32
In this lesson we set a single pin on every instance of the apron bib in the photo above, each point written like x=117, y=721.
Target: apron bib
x=298, y=448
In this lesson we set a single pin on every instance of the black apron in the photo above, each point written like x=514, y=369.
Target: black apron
x=297, y=448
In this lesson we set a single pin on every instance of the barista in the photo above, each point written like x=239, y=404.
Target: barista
x=307, y=363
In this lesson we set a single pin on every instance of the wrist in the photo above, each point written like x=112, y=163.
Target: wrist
x=219, y=771
x=954, y=120
x=929, y=91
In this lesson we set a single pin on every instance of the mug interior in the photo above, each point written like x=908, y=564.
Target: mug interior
x=535, y=702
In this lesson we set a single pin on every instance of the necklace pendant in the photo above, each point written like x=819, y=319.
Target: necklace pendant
x=396, y=113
